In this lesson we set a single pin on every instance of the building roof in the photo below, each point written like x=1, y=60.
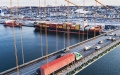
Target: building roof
x=81, y=11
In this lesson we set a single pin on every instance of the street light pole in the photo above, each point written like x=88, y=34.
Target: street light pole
x=64, y=39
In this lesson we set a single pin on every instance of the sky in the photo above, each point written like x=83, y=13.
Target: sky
x=58, y=2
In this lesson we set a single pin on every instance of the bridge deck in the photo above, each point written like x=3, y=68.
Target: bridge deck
x=83, y=63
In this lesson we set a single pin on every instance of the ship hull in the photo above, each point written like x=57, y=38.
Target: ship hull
x=54, y=30
x=11, y=24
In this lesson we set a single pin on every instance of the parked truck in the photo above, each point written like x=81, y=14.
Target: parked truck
x=58, y=63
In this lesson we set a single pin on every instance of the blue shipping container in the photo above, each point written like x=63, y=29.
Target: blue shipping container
x=0, y=11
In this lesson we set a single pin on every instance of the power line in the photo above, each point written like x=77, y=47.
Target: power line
x=56, y=26
x=15, y=47
x=46, y=32
x=40, y=30
x=20, y=33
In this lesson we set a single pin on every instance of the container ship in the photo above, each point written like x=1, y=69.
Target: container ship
x=73, y=28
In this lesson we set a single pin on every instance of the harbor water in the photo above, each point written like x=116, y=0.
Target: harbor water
x=31, y=40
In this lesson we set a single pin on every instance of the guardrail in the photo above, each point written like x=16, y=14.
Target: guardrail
x=49, y=55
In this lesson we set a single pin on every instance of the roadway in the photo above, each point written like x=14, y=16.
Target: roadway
x=94, y=43
x=31, y=69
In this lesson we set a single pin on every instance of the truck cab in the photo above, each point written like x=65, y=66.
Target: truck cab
x=78, y=56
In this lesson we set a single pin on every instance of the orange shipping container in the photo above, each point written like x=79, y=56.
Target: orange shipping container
x=60, y=26
x=43, y=25
x=57, y=26
x=54, y=65
x=40, y=25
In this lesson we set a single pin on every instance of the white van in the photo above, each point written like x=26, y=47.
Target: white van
x=109, y=38
x=87, y=47
x=111, y=34
x=100, y=42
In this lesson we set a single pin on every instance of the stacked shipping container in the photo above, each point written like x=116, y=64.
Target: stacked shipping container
x=68, y=26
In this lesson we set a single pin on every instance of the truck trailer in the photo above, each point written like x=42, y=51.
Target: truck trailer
x=58, y=63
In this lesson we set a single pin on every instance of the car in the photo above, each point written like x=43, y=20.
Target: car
x=97, y=47
x=116, y=35
x=38, y=71
x=109, y=38
x=113, y=39
x=59, y=56
x=87, y=47
x=100, y=42
x=65, y=50
x=106, y=34
x=111, y=34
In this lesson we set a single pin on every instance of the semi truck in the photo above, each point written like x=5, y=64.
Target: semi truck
x=55, y=65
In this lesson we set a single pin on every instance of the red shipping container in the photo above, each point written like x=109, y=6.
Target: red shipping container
x=54, y=65
x=53, y=25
